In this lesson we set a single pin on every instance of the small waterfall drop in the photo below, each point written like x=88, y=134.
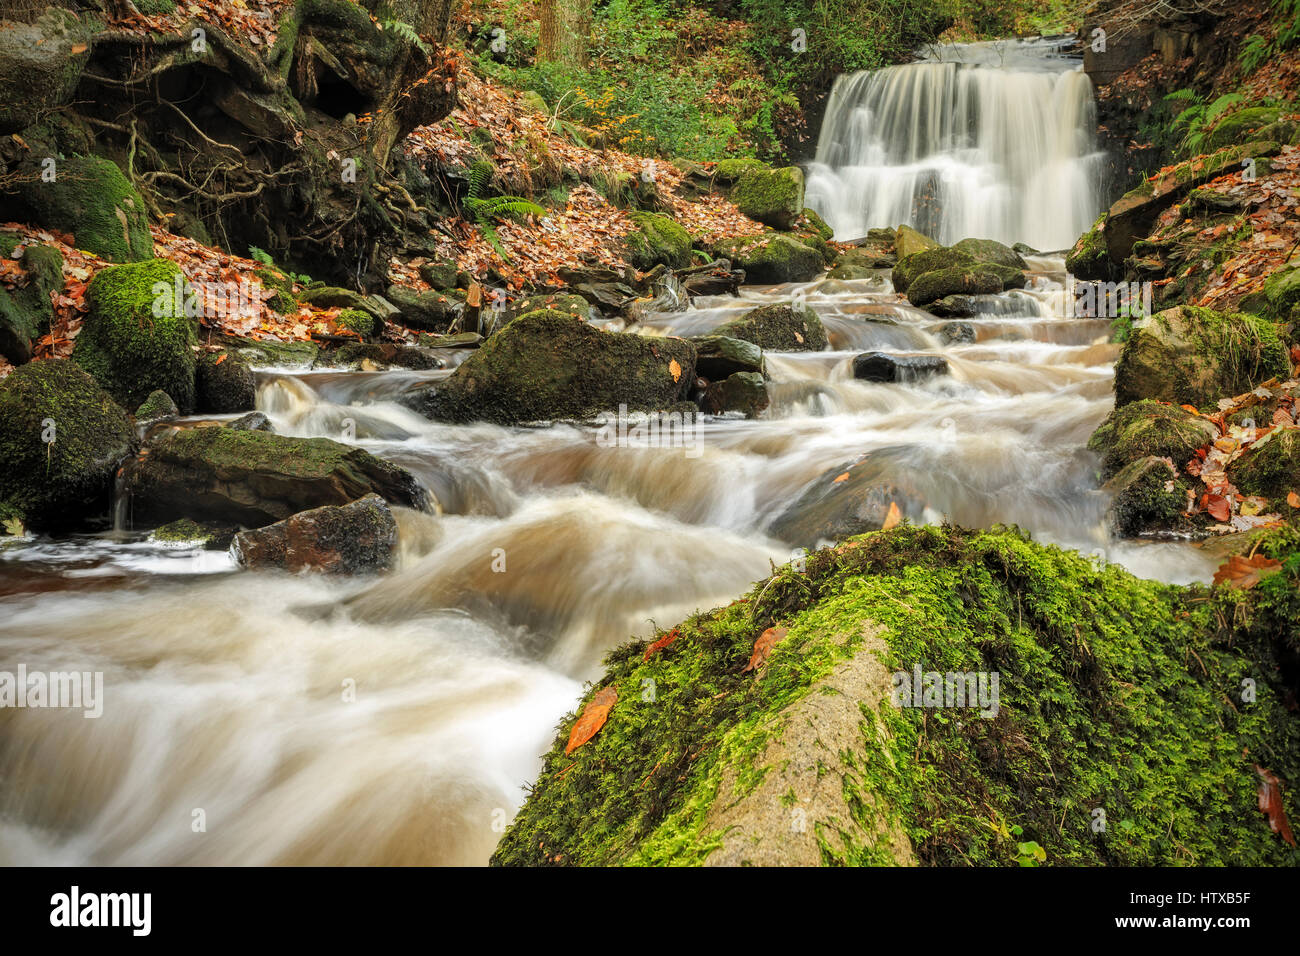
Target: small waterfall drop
x=991, y=140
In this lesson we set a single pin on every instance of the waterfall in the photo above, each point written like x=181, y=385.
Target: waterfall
x=992, y=140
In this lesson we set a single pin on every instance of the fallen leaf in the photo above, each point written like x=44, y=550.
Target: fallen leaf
x=1217, y=506
x=892, y=518
x=660, y=644
x=763, y=647
x=839, y=478
x=675, y=370
x=1293, y=499
x=1244, y=573
x=1270, y=803
x=593, y=718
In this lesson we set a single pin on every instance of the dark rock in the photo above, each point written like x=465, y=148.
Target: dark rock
x=954, y=307
x=252, y=422
x=1146, y=495
x=1149, y=428
x=440, y=275
x=26, y=312
x=156, y=408
x=388, y=354
x=957, y=333
x=742, y=392
x=253, y=478
x=225, y=384
x=883, y=367
x=432, y=311
x=718, y=356
x=847, y=500
x=980, y=279
x=356, y=538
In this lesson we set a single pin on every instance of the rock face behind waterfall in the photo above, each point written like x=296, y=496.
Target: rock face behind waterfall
x=830, y=752
x=254, y=478
x=551, y=365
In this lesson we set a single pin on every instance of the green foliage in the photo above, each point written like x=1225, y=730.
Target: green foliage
x=484, y=210
x=1257, y=50
x=407, y=32
x=1198, y=119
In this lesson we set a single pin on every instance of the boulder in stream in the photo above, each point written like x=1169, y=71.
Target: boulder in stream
x=61, y=439
x=744, y=392
x=848, y=500
x=718, y=356
x=980, y=279
x=885, y=367
x=778, y=328
x=772, y=258
x=225, y=384
x=1147, y=494
x=549, y=365
x=254, y=478
x=356, y=538
x=1149, y=428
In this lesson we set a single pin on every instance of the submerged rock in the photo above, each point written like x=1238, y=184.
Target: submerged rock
x=188, y=533
x=744, y=392
x=550, y=365
x=61, y=439
x=254, y=478
x=848, y=500
x=884, y=367
x=356, y=538
x=1194, y=356
x=925, y=678
x=779, y=328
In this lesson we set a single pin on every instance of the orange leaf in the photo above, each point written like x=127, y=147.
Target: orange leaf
x=843, y=477
x=763, y=647
x=1270, y=803
x=675, y=369
x=1217, y=505
x=1245, y=573
x=660, y=644
x=220, y=358
x=1293, y=499
x=593, y=718
x=892, y=518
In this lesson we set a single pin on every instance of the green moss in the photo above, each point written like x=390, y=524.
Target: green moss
x=1116, y=694
x=356, y=320
x=158, y=405
x=93, y=200
x=818, y=224
x=928, y=260
x=770, y=196
x=780, y=327
x=772, y=258
x=1148, y=494
x=1272, y=468
x=136, y=336
x=657, y=239
x=729, y=170
x=61, y=437
x=1146, y=428
x=224, y=384
x=981, y=279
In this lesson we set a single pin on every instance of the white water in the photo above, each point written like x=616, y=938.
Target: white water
x=225, y=691
x=990, y=140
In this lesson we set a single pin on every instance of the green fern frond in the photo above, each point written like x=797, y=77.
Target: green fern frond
x=407, y=33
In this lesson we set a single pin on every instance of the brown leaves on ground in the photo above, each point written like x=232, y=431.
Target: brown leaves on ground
x=1244, y=573
x=1270, y=804
x=252, y=20
x=763, y=647
x=593, y=718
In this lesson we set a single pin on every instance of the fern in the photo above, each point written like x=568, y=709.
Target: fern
x=407, y=33
x=484, y=211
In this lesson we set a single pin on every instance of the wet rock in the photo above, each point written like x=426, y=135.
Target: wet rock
x=183, y=531
x=356, y=538
x=976, y=280
x=954, y=307
x=26, y=311
x=1147, y=495
x=772, y=258
x=834, y=507
x=929, y=260
x=1090, y=259
x=136, y=336
x=862, y=262
x=1271, y=469
x=550, y=365
x=717, y=278
x=1148, y=428
x=157, y=407
x=40, y=64
x=252, y=422
x=778, y=328
x=459, y=340
x=271, y=353
x=387, y=354
x=883, y=367
x=718, y=356
x=440, y=275
x=989, y=250
x=1194, y=356
x=908, y=242
x=773, y=197
x=657, y=240
x=741, y=392
x=432, y=311
x=331, y=297
x=253, y=478
x=957, y=333
x=225, y=384
x=61, y=438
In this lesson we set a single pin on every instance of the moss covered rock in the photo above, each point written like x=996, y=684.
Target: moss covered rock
x=980, y=279
x=431, y=311
x=781, y=328
x=551, y=365
x=824, y=754
x=1194, y=356
x=386, y=354
x=1089, y=259
x=157, y=407
x=657, y=240
x=92, y=199
x=356, y=320
x=136, y=337
x=990, y=250
x=772, y=258
x=1271, y=469
x=718, y=356
x=61, y=438
x=729, y=170
x=26, y=311
x=928, y=260
x=40, y=64
x=773, y=197
x=907, y=242
x=225, y=384
x=1147, y=427
x=1237, y=127
x=1147, y=494
x=744, y=392
x=254, y=478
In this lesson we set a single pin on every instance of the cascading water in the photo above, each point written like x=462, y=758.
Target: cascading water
x=994, y=141
x=227, y=692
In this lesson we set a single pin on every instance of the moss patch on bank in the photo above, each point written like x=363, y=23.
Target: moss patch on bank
x=1116, y=694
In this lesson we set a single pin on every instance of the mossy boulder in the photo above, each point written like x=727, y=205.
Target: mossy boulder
x=1149, y=428
x=93, y=200
x=1147, y=494
x=990, y=250
x=907, y=242
x=225, y=384
x=1194, y=356
x=356, y=320
x=440, y=274
x=186, y=533
x=718, y=356
x=331, y=297
x=772, y=258
x=1280, y=296
x=1237, y=127
x=560, y=302
x=817, y=224
x=157, y=407
x=1271, y=469
x=1089, y=258
x=550, y=365
x=387, y=354
x=430, y=311
x=61, y=439
x=850, y=744
x=861, y=262
x=911, y=266
x=254, y=478
x=729, y=170
x=136, y=336
x=780, y=328
x=744, y=392
x=981, y=279
x=272, y=352
x=26, y=311
x=657, y=240
x=40, y=65
x=773, y=197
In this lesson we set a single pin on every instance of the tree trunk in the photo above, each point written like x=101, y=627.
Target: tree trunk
x=565, y=27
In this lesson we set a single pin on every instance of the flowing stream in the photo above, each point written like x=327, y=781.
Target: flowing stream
x=262, y=718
